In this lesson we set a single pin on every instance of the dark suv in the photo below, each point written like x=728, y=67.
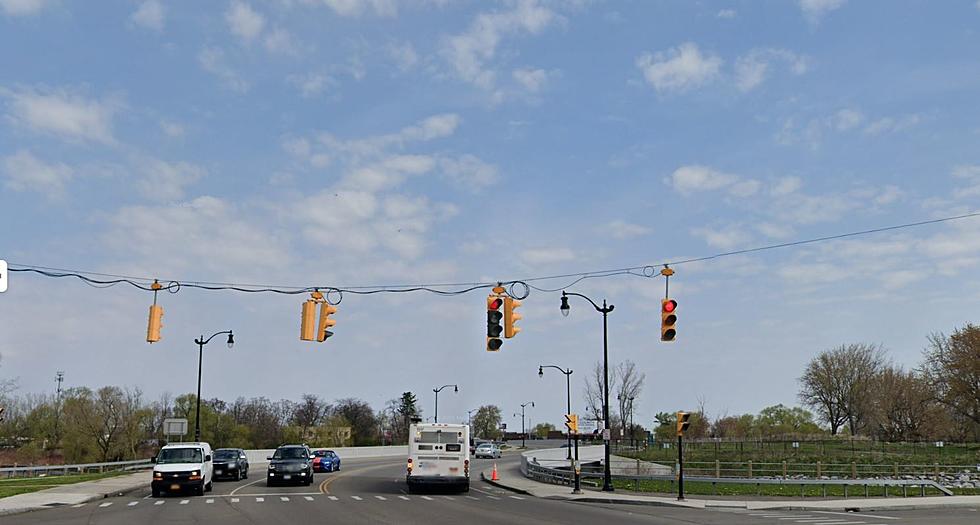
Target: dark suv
x=230, y=463
x=291, y=464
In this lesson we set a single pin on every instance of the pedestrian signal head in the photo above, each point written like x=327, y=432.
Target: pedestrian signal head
x=683, y=422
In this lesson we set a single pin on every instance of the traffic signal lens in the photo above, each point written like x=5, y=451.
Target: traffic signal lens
x=670, y=305
x=494, y=344
x=494, y=304
x=669, y=334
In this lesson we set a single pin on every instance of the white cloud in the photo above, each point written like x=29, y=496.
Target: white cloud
x=775, y=231
x=404, y=55
x=359, y=7
x=64, y=114
x=726, y=13
x=469, y=172
x=972, y=175
x=212, y=60
x=892, y=124
x=543, y=256
x=724, y=239
x=310, y=84
x=243, y=21
x=694, y=178
x=25, y=172
x=280, y=41
x=679, y=69
x=469, y=52
x=172, y=129
x=625, y=230
x=150, y=15
x=532, y=79
x=786, y=185
x=846, y=119
x=814, y=10
x=888, y=195
x=752, y=68
x=22, y=7
x=160, y=180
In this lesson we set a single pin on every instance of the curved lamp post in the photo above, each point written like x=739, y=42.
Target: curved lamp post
x=523, y=431
x=437, y=390
x=604, y=310
x=568, y=395
x=200, y=358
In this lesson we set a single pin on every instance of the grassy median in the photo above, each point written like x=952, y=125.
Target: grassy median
x=14, y=486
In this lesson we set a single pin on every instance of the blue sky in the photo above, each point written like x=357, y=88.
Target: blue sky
x=374, y=142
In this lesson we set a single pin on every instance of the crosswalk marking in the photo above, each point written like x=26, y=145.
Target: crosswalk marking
x=516, y=497
x=80, y=505
x=382, y=498
x=450, y=498
x=358, y=498
x=333, y=498
x=159, y=503
x=406, y=498
x=209, y=501
x=426, y=498
x=133, y=503
x=259, y=500
x=106, y=504
x=283, y=498
x=493, y=497
x=851, y=514
x=308, y=498
x=472, y=498
x=185, y=501
x=235, y=500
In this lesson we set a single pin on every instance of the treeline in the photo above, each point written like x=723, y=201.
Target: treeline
x=113, y=423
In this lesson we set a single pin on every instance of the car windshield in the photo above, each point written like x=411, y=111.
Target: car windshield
x=320, y=453
x=485, y=446
x=225, y=454
x=180, y=455
x=290, y=453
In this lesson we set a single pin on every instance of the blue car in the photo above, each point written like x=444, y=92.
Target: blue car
x=325, y=461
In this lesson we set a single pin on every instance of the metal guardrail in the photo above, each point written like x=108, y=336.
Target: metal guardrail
x=38, y=470
x=556, y=476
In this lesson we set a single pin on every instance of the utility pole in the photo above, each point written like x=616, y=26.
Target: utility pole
x=59, y=377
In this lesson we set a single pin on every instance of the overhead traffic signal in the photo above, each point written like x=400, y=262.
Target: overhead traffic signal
x=682, y=422
x=668, y=318
x=323, y=332
x=571, y=423
x=511, y=317
x=307, y=323
x=494, y=329
x=155, y=324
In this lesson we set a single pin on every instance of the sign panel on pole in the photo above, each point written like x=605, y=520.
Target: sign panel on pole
x=587, y=427
x=175, y=427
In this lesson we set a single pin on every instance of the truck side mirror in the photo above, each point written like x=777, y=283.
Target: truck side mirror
x=153, y=459
x=207, y=458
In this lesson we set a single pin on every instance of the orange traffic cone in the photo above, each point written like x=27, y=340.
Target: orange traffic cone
x=493, y=475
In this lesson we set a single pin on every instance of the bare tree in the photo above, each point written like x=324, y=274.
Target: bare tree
x=903, y=405
x=838, y=384
x=952, y=370
x=629, y=384
x=593, y=390
x=99, y=416
x=309, y=412
x=6, y=385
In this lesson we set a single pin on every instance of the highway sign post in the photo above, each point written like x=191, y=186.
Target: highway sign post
x=174, y=427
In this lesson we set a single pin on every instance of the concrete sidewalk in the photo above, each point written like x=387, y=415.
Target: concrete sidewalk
x=75, y=493
x=512, y=479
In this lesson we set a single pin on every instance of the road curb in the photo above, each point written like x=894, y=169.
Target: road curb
x=88, y=499
x=498, y=484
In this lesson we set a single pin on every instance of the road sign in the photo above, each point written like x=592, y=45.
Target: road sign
x=3, y=275
x=587, y=427
x=606, y=434
x=175, y=427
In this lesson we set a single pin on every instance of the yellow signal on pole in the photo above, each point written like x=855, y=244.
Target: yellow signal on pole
x=323, y=332
x=668, y=320
x=306, y=323
x=511, y=317
x=155, y=324
x=682, y=422
x=571, y=423
x=494, y=316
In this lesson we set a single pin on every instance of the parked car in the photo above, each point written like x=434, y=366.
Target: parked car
x=230, y=463
x=182, y=466
x=487, y=450
x=325, y=461
x=290, y=464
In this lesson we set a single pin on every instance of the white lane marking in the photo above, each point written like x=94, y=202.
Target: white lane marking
x=133, y=503
x=80, y=505
x=426, y=498
x=260, y=480
x=473, y=498
x=209, y=501
x=259, y=500
x=106, y=504
x=308, y=498
x=358, y=498
x=856, y=515
x=235, y=500
x=382, y=498
x=159, y=503
x=450, y=498
x=185, y=501
x=516, y=497
x=406, y=498
x=493, y=497
x=283, y=498
x=333, y=498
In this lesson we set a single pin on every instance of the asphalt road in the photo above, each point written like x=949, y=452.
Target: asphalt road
x=374, y=491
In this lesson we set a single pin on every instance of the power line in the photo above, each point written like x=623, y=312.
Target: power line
x=444, y=289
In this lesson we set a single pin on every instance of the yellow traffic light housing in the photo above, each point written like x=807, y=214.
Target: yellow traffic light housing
x=668, y=318
x=682, y=422
x=511, y=317
x=155, y=324
x=307, y=323
x=494, y=328
x=323, y=332
x=571, y=423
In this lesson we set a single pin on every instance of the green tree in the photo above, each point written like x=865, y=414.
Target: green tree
x=952, y=370
x=778, y=420
x=486, y=422
x=542, y=429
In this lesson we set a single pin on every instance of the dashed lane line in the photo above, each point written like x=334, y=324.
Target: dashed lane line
x=856, y=515
x=516, y=497
x=406, y=498
x=209, y=501
x=308, y=498
x=283, y=498
x=382, y=498
x=106, y=504
x=235, y=500
x=159, y=503
x=356, y=498
x=426, y=498
x=259, y=500
x=133, y=503
x=332, y=498
x=185, y=501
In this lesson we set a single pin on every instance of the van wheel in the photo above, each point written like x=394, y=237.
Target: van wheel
x=156, y=493
x=199, y=490
x=208, y=487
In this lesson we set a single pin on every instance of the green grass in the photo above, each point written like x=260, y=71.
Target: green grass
x=746, y=489
x=14, y=486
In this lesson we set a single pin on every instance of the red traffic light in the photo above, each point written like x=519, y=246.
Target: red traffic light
x=669, y=305
x=494, y=304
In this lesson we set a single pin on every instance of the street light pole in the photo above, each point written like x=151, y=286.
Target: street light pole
x=437, y=390
x=604, y=310
x=200, y=358
x=523, y=431
x=568, y=395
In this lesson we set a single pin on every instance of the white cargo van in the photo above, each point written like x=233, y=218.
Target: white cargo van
x=183, y=466
x=438, y=456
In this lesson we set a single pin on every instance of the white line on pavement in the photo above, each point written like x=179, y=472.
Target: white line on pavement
x=382, y=498
x=358, y=498
x=259, y=500
x=856, y=515
x=450, y=498
x=283, y=498
x=426, y=498
x=308, y=498
x=133, y=503
x=406, y=498
x=159, y=503
x=333, y=498
x=493, y=497
x=471, y=497
x=235, y=500
x=106, y=504
x=516, y=497
x=80, y=505
x=185, y=501
x=209, y=501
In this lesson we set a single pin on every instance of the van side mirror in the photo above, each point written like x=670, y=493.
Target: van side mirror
x=207, y=458
x=268, y=458
x=153, y=459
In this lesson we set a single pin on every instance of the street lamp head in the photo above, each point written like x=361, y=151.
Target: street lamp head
x=540, y=371
x=231, y=339
x=564, y=305
x=532, y=404
x=455, y=388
